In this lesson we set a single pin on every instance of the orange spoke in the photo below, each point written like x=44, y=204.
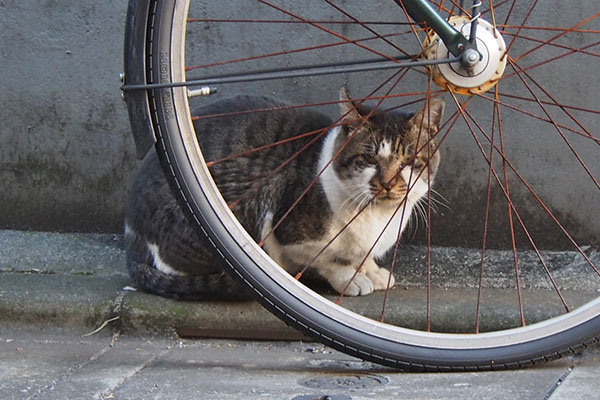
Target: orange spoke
x=559, y=130
x=512, y=207
x=564, y=32
x=329, y=31
x=506, y=76
x=550, y=28
x=512, y=42
x=495, y=112
x=293, y=51
x=290, y=21
x=211, y=163
x=561, y=106
x=316, y=178
x=519, y=110
x=378, y=35
x=510, y=212
x=561, y=46
x=553, y=103
x=512, y=7
x=543, y=205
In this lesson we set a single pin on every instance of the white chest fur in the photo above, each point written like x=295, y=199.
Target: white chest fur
x=351, y=234
x=377, y=226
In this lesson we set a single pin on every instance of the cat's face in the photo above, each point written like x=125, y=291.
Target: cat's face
x=391, y=156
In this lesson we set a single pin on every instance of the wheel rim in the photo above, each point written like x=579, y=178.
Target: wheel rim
x=499, y=174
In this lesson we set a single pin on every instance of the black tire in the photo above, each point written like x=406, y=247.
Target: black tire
x=285, y=297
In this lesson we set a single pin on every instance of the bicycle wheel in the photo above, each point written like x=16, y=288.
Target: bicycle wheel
x=529, y=291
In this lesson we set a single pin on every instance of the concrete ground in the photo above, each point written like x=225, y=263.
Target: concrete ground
x=47, y=365
x=71, y=327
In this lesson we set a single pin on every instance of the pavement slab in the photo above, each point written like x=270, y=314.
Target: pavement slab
x=72, y=326
x=56, y=365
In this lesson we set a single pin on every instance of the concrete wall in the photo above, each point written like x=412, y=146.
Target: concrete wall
x=67, y=157
x=66, y=154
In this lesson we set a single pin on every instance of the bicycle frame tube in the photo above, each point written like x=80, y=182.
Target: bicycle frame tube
x=421, y=11
x=135, y=80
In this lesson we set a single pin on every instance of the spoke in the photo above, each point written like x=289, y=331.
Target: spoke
x=411, y=183
x=561, y=46
x=320, y=27
x=505, y=76
x=519, y=110
x=494, y=7
x=509, y=13
x=558, y=129
x=454, y=118
x=461, y=9
x=299, y=275
x=511, y=223
x=429, y=139
x=495, y=111
x=540, y=202
x=290, y=21
x=507, y=195
x=451, y=12
x=260, y=182
x=293, y=51
x=512, y=207
x=553, y=103
x=363, y=25
x=316, y=179
x=550, y=28
x=412, y=24
x=562, y=107
x=512, y=42
x=491, y=9
x=210, y=163
x=564, y=32
x=441, y=7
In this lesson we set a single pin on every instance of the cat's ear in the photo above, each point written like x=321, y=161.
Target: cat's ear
x=349, y=110
x=430, y=116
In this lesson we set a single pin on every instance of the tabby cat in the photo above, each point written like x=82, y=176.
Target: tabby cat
x=379, y=159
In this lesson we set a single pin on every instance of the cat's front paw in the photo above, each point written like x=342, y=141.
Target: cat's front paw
x=348, y=283
x=381, y=278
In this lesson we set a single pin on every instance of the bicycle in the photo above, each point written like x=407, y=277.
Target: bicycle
x=497, y=73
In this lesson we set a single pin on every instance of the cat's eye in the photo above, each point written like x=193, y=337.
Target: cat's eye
x=418, y=164
x=364, y=160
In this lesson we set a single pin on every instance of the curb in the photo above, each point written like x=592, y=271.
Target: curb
x=79, y=283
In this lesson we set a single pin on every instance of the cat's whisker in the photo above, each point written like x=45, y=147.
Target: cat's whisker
x=439, y=199
x=364, y=201
x=355, y=203
x=420, y=212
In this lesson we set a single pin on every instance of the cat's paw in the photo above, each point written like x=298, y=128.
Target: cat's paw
x=347, y=283
x=381, y=278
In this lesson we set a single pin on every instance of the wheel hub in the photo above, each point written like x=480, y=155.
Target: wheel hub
x=479, y=70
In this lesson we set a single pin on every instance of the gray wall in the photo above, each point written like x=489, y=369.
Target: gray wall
x=67, y=157
x=66, y=154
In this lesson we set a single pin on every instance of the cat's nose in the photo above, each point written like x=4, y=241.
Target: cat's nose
x=389, y=185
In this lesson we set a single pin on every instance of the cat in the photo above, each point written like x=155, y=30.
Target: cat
x=374, y=168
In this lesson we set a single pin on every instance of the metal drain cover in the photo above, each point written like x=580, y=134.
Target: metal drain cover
x=322, y=397
x=346, y=382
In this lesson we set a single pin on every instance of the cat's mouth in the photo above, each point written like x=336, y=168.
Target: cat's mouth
x=389, y=197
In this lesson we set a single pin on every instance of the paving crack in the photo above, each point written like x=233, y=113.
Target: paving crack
x=559, y=382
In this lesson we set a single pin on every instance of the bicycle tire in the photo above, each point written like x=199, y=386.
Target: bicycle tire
x=297, y=305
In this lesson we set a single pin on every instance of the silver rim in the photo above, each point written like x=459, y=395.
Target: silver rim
x=315, y=301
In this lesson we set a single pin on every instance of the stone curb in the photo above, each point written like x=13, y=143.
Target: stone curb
x=78, y=282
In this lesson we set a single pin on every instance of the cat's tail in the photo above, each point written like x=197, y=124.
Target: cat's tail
x=218, y=286
x=177, y=285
